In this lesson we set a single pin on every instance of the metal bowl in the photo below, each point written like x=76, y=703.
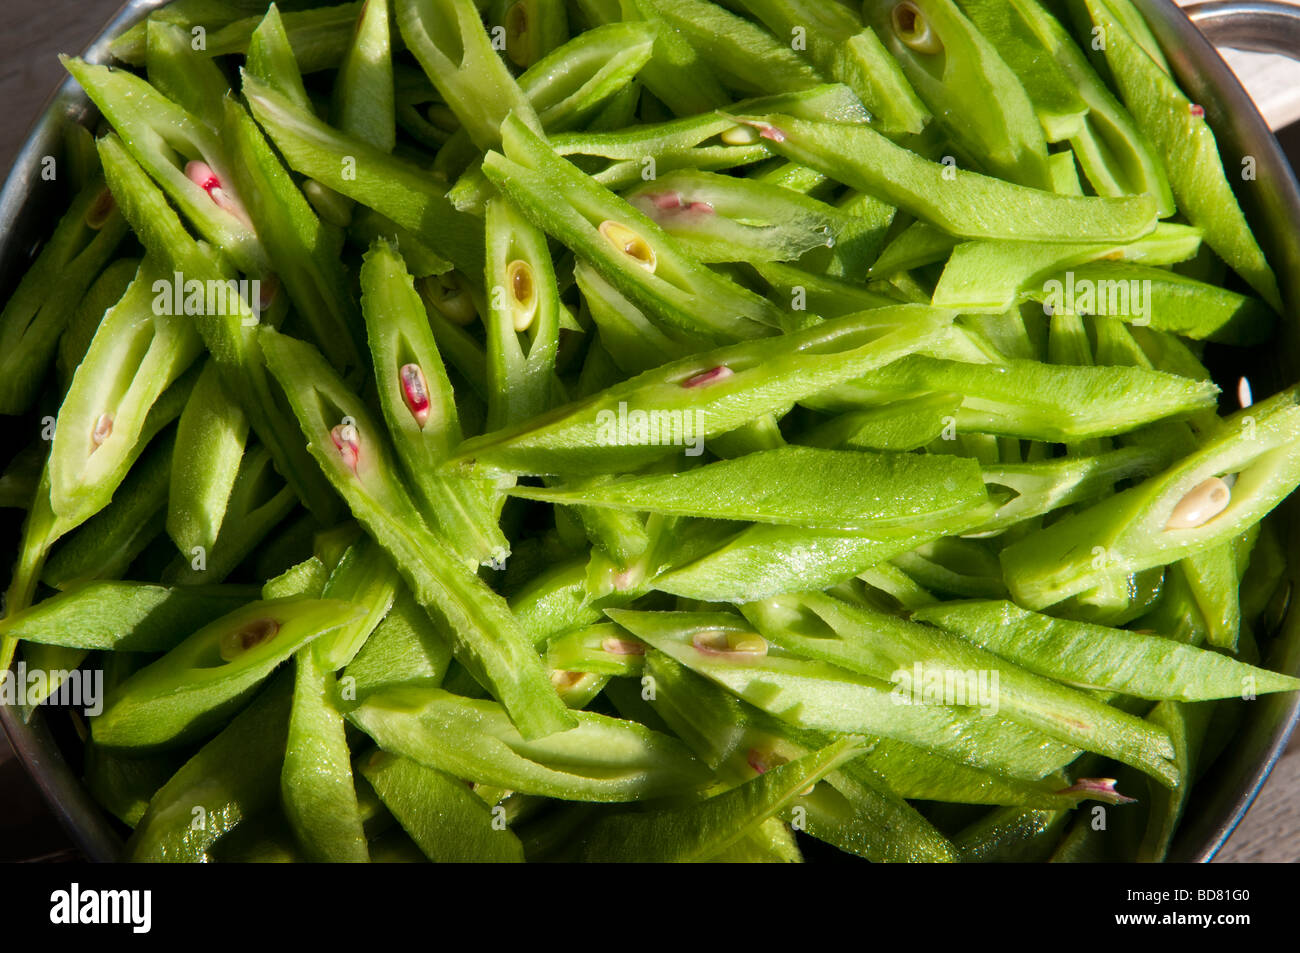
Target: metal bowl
x=1271, y=203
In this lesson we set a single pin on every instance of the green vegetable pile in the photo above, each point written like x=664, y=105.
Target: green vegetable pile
x=646, y=430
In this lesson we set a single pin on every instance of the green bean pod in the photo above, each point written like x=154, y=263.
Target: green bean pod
x=420, y=409
x=743, y=54
x=302, y=250
x=364, y=98
x=258, y=501
x=271, y=59
x=319, y=37
x=962, y=203
x=719, y=390
x=210, y=440
x=720, y=218
x=840, y=47
x=854, y=809
x=357, y=460
x=1060, y=107
x=196, y=685
x=798, y=486
x=137, y=352
x=710, y=142
x=629, y=249
x=405, y=647
x=450, y=43
x=704, y=831
x=157, y=133
x=1115, y=156
x=106, y=291
x=976, y=98
x=1048, y=485
x=1179, y=131
x=602, y=759
x=819, y=696
x=1049, y=402
x=391, y=186
x=1174, y=514
x=992, y=277
x=226, y=330
x=450, y=823
x=182, y=74
x=118, y=616
x=232, y=778
x=1098, y=657
x=902, y=426
x=46, y=299
x=873, y=643
x=106, y=544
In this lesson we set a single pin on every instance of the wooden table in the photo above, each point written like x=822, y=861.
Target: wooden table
x=32, y=32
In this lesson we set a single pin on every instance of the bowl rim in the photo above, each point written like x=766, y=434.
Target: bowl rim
x=1275, y=215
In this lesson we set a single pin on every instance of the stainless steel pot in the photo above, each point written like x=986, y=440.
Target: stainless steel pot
x=1271, y=202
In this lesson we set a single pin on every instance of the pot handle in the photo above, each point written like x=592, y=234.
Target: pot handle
x=1260, y=26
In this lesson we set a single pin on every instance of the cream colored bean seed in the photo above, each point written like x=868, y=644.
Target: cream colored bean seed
x=522, y=290
x=630, y=244
x=740, y=136
x=1203, y=503
x=914, y=29
x=722, y=642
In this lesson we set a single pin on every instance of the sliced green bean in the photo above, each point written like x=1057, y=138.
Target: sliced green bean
x=107, y=543
x=602, y=759
x=357, y=460
x=707, y=829
x=1167, y=516
x=820, y=696
x=233, y=777
x=975, y=96
x=405, y=647
x=197, y=684
x=1098, y=657
x=840, y=47
x=1113, y=153
x=991, y=277
x=123, y=616
x=448, y=821
x=876, y=644
x=316, y=787
x=798, y=486
x=743, y=54
x=258, y=501
x=448, y=39
x=224, y=331
x=629, y=249
x=1179, y=131
x=364, y=99
x=138, y=351
x=420, y=409
x=962, y=203
x=45, y=301
x=903, y=425
x=1060, y=108
x=210, y=440
x=304, y=254
x=722, y=390
x=158, y=134
x=391, y=186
